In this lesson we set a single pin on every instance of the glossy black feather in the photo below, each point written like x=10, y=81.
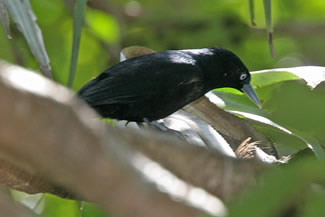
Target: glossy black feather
x=155, y=85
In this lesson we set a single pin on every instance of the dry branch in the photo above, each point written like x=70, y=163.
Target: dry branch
x=234, y=129
x=46, y=135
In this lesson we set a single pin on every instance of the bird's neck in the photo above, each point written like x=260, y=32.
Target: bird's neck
x=213, y=71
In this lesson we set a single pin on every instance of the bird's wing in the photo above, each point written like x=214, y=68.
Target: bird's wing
x=126, y=85
x=108, y=91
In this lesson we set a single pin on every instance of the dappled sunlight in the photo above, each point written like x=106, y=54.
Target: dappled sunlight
x=176, y=188
x=313, y=75
x=30, y=81
x=204, y=131
x=261, y=119
x=215, y=99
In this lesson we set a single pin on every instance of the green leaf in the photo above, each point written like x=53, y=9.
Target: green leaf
x=314, y=143
x=268, y=21
x=298, y=108
x=92, y=210
x=77, y=26
x=286, y=144
x=48, y=204
x=237, y=102
x=252, y=12
x=282, y=187
x=268, y=77
x=57, y=207
x=313, y=75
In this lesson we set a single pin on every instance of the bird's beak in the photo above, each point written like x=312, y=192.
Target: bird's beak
x=251, y=94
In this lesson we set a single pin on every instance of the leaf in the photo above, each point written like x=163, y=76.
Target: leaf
x=309, y=141
x=286, y=144
x=252, y=12
x=288, y=105
x=24, y=17
x=236, y=102
x=282, y=188
x=92, y=210
x=314, y=144
x=77, y=26
x=313, y=75
x=268, y=77
x=269, y=26
x=4, y=18
x=34, y=202
x=262, y=120
x=56, y=207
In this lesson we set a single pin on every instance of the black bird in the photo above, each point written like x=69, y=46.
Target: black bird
x=153, y=86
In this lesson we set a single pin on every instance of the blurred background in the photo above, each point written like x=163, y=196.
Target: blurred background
x=299, y=29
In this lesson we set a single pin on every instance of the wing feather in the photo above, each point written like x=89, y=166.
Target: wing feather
x=138, y=79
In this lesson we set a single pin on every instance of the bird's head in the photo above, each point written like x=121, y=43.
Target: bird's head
x=231, y=72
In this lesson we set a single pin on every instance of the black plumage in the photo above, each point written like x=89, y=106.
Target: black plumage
x=153, y=86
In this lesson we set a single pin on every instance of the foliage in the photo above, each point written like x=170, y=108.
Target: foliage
x=292, y=115
x=282, y=93
x=282, y=193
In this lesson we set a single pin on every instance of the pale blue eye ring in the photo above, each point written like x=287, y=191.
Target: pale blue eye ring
x=243, y=76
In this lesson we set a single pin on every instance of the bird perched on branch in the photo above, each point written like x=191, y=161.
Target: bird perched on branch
x=153, y=86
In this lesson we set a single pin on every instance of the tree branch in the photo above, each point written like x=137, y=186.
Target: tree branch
x=235, y=130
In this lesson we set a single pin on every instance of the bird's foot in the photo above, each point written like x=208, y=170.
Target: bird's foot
x=162, y=127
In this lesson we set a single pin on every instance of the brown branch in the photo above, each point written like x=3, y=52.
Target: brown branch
x=198, y=166
x=235, y=130
x=21, y=180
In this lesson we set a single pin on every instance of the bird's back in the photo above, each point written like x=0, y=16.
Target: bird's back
x=151, y=86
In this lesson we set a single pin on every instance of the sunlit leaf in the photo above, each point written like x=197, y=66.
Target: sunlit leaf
x=34, y=202
x=313, y=75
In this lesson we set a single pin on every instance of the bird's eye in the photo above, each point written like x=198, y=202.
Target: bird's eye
x=243, y=76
